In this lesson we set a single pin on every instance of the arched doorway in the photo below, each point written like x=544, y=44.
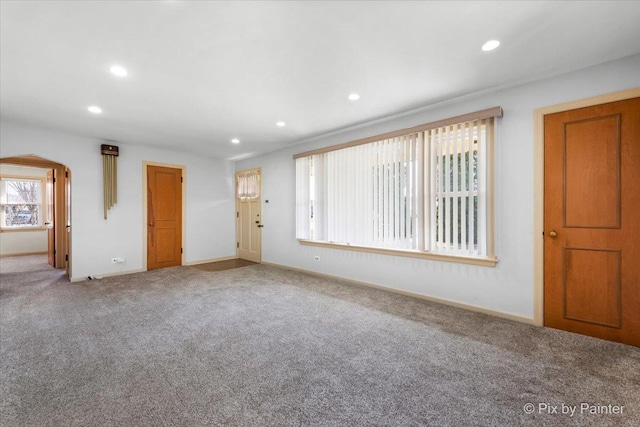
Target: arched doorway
x=55, y=217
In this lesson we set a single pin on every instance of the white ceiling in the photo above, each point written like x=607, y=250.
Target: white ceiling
x=202, y=73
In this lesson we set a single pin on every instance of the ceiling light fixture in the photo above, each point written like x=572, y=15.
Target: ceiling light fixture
x=281, y=124
x=95, y=109
x=490, y=45
x=235, y=141
x=117, y=70
x=354, y=97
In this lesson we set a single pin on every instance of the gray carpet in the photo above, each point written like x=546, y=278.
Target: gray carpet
x=263, y=346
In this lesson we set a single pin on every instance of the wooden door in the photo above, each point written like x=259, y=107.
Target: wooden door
x=50, y=216
x=249, y=222
x=59, y=215
x=67, y=219
x=592, y=221
x=164, y=217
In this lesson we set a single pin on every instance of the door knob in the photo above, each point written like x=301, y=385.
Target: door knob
x=553, y=234
x=261, y=226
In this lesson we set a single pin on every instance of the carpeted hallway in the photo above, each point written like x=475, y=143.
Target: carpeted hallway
x=264, y=346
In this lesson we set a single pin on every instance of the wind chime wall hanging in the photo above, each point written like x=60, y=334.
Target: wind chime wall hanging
x=110, y=176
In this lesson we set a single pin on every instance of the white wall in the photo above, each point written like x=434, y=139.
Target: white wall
x=210, y=226
x=506, y=288
x=21, y=242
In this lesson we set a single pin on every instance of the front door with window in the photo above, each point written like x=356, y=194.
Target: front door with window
x=248, y=213
x=592, y=221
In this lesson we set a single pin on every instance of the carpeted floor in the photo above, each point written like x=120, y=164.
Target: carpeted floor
x=264, y=346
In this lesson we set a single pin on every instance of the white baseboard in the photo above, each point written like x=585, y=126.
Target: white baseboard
x=102, y=276
x=470, y=307
x=24, y=253
x=141, y=270
x=207, y=261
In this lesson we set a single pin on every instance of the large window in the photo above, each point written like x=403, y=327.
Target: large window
x=425, y=190
x=20, y=202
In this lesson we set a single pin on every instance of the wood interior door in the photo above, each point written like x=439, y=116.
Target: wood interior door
x=50, y=218
x=67, y=219
x=59, y=215
x=164, y=217
x=592, y=221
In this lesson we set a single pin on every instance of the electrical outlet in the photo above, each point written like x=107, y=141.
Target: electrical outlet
x=117, y=260
x=316, y=258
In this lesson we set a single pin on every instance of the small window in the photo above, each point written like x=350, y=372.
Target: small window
x=20, y=203
x=248, y=185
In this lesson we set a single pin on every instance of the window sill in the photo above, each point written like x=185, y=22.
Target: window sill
x=22, y=229
x=485, y=262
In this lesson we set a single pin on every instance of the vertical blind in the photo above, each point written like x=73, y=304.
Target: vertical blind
x=248, y=185
x=427, y=190
x=458, y=188
x=365, y=195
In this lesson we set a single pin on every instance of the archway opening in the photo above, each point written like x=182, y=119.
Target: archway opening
x=36, y=200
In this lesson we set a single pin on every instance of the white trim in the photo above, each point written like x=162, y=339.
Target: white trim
x=22, y=229
x=538, y=185
x=144, y=209
x=102, y=276
x=469, y=307
x=24, y=254
x=207, y=261
x=482, y=261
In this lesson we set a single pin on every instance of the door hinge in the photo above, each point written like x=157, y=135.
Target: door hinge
x=237, y=214
x=54, y=251
x=181, y=179
x=54, y=180
x=237, y=245
x=66, y=257
x=66, y=174
x=181, y=250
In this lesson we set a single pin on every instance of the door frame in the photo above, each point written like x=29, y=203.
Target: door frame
x=538, y=185
x=145, y=165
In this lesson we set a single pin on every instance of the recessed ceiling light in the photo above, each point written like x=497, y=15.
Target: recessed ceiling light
x=235, y=141
x=354, y=97
x=490, y=45
x=281, y=124
x=117, y=70
x=95, y=109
